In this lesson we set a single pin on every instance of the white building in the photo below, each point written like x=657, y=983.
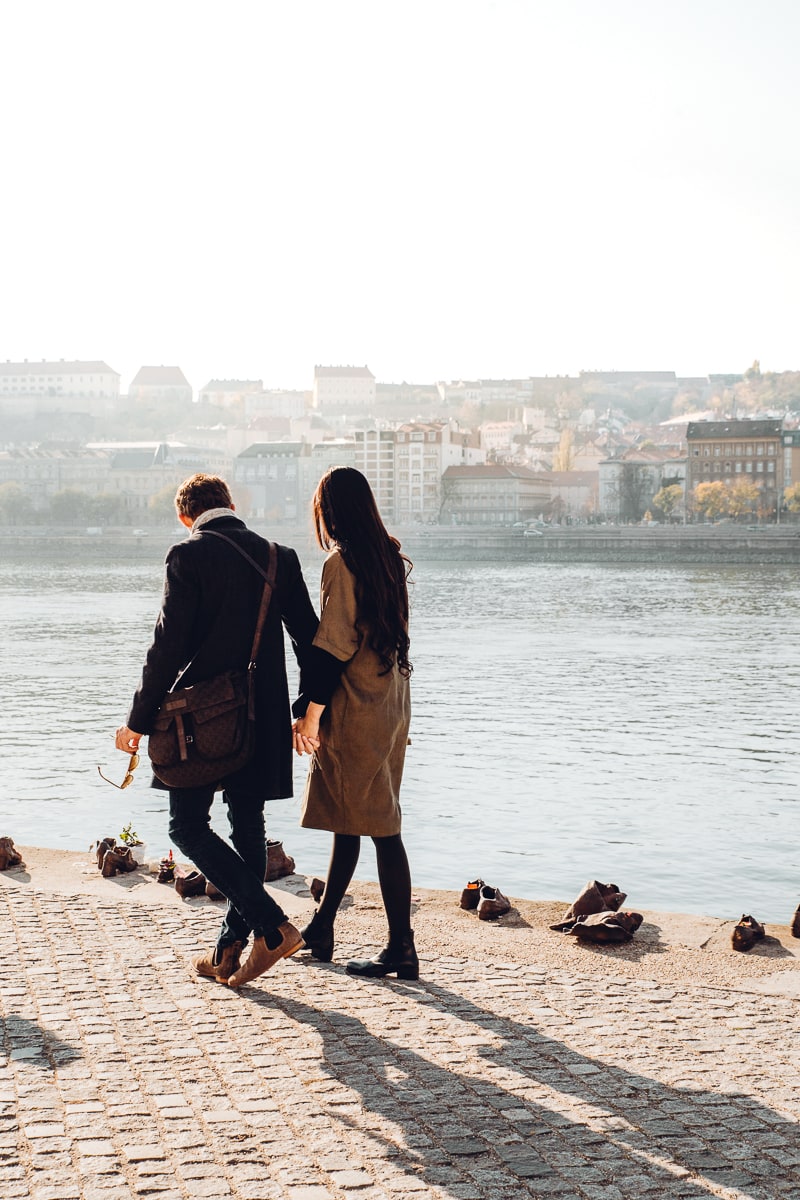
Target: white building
x=423, y=452
x=343, y=389
x=375, y=458
x=29, y=388
x=229, y=393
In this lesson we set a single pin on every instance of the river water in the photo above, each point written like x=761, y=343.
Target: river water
x=632, y=724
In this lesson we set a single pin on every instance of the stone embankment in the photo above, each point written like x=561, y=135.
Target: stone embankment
x=679, y=544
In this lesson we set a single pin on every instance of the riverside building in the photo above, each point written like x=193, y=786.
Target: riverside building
x=731, y=450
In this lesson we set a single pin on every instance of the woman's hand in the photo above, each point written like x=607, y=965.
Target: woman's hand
x=305, y=731
x=305, y=734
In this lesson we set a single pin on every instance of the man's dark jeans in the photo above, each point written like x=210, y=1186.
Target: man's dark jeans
x=239, y=872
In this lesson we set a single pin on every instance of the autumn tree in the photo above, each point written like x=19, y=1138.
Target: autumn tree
x=791, y=496
x=564, y=457
x=668, y=498
x=711, y=499
x=742, y=497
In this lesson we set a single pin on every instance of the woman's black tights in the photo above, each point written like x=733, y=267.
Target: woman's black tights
x=394, y=875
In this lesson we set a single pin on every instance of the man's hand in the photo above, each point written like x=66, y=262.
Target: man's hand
x=126, y=740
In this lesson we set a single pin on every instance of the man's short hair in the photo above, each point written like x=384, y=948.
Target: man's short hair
x=199, y=493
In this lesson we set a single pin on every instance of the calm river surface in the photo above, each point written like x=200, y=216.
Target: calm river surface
x=632, y=724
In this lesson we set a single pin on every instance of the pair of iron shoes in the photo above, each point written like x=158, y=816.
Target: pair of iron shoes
x=489, y=901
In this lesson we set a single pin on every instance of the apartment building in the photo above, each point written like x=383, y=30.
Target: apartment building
x=731, y=450
x=790, y=440
x=423, y=453
x=266, y=480
x=375, y=458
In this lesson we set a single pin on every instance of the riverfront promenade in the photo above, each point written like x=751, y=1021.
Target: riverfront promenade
x=521, y=1064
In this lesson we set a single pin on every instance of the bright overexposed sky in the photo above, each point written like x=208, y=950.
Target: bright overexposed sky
x=439, y=189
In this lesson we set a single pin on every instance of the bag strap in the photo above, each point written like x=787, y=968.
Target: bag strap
x=272, y=565
x=269, y=577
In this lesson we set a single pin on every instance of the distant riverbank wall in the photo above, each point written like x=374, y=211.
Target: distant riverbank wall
x=703, y=545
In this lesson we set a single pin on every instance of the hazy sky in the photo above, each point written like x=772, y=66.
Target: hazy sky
x=438, y=189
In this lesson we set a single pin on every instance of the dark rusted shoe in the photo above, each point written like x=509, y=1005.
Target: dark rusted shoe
x=492, y=903
x=796, y=923
x=747, y=933
x=278, y=862
x=606, y=927
x=113, y=864
x=317, y=887
x=471, y=894
x=9, y=854
x=193, y=884
x=102, y=846
x=219, y=964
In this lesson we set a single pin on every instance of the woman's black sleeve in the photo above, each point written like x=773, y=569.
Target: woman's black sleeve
x=321, y=675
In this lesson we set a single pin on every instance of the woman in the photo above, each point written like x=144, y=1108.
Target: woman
x=357, y=713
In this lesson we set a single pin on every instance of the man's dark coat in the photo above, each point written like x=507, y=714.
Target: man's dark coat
x=206, y=626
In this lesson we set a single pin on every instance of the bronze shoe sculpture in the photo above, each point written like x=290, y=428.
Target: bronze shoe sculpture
x=316, y=887
x=193, y=884
x=219, y=964
x=471, y=894
x=796, y=923
x=747, y=933
x=278, y=862
x=596, y=897
x=9, y=854
x=117, y=862
x=492, y=903
x=606, y=927
x=105, y=844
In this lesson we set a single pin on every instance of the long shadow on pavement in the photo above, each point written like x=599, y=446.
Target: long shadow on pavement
x=496, y=1111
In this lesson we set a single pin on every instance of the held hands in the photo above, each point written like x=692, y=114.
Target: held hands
x=305, y=735
x=126, y=740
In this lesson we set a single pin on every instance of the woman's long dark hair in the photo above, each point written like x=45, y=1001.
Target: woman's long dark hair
x=346, y=516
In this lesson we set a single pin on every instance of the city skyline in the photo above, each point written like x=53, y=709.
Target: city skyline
x=442, y=191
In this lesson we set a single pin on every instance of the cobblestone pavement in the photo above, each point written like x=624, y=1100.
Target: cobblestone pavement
x=123, y=1077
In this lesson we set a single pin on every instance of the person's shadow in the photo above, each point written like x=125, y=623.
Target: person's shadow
x=28, y=1041
x=509, y=1103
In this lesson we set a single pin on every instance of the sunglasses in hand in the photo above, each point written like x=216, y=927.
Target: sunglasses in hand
x=128, y=780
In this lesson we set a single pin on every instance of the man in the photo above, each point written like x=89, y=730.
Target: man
x=206, y=624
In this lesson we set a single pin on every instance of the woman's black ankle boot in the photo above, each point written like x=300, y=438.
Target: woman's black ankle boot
x=398, y=958
x=318, y=938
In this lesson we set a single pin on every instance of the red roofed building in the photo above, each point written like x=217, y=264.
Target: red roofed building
x=160, y=383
